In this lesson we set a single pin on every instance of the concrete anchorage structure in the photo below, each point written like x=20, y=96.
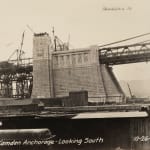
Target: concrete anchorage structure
x=56, y=73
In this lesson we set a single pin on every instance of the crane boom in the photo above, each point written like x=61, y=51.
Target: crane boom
x=130, y=90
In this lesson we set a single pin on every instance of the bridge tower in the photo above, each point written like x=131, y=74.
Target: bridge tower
x=42, y=66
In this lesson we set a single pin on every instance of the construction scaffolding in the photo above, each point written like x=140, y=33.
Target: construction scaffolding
x=16, y=79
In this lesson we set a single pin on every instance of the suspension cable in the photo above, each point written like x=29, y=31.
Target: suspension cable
x=125, y=40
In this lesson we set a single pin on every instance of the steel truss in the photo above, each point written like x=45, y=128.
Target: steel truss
x=125, y=54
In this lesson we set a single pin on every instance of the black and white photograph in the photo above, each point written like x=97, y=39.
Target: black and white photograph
x=74, y=75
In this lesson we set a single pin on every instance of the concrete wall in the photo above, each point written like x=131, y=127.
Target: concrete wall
x=111, y=85
x=78, y=70
x=81, y=70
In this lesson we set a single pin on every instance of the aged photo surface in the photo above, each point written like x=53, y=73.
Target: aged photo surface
x=74, y=74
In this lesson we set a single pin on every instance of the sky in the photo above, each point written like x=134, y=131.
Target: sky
x=87, y=22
